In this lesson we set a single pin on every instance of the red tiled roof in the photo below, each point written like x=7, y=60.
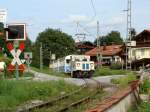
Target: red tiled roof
x=106, y=50
x=85, y=46
x=80, y=45
x=147, y=31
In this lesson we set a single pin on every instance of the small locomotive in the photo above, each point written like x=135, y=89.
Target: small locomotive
x=78, y=66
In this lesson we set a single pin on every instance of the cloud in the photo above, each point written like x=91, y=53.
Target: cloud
x=76, y=18
x=92, y=24
x=115, y=21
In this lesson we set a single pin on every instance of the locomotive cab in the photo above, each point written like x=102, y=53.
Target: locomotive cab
x=80, y=66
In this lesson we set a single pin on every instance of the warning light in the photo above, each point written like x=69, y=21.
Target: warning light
x=15, y=32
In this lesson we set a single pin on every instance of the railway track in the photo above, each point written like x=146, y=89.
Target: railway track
x=64, y=103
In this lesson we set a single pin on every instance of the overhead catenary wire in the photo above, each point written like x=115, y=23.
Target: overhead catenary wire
x=85, y=29
x=94, y=10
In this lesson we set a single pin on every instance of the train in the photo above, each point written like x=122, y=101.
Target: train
x=78, y=66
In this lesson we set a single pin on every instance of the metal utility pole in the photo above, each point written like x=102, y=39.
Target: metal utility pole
x=41, y=56
x=98, y=46
x=128, y=35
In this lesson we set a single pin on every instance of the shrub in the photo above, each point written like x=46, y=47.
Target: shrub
x=105, y=71
x=116, y=66
x=5, y=59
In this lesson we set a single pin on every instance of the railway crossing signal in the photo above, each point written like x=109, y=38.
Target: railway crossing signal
x=16, y=60
x=15, y=33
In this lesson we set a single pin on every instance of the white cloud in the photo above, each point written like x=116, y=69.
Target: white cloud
x=92, y=24
x=116, y=21
x=76, y=18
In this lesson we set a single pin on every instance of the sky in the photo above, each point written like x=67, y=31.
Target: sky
x=77, y=16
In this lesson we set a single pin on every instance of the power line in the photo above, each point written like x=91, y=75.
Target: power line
x=94, y=9
x=90, y=34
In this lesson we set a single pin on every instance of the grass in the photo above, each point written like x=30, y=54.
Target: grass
x=14, y=93
x=49, y=71
x=145, y=87
x=143, y=107
x=13, y=75
x=80, y=108
x=92, y=103
x=123, y=81
x=105, y=71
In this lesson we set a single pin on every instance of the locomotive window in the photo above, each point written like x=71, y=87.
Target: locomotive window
x=84, y=60
x=77, y=60
x=67, y=61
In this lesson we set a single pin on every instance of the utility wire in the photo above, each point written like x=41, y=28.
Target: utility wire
x=90, y=34
x=94, y=9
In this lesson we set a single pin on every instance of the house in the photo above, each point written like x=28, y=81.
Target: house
x=109, y=53
x=82, y=48
x=140, y=54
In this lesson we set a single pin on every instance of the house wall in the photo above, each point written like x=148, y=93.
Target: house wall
x=139, y=53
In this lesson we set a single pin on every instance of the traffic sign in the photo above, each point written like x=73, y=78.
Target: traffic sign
x=53, y=57
x=28, y=58
x=28, y=55
x=16, y=43
x=3, y=15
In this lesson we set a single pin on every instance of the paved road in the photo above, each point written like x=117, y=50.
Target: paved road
x=79, y=82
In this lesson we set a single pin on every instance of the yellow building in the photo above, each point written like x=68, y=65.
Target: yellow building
x=139, y=55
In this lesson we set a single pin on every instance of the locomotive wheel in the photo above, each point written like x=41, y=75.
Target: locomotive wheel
x=74, y=75
x=90, y=74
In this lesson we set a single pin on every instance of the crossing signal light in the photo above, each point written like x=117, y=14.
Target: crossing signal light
x=15, y=32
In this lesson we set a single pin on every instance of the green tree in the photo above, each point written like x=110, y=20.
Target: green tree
x=54, y=42
x=133, y=32
x=112, y=37
x=28, y=45
x=2, y=41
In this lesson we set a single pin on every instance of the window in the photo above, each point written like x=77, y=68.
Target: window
x=133, y=53
x=142, y=52
x=84, y=59
x=67, y=61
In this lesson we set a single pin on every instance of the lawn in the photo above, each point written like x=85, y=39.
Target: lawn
x=13, y=93
x=13, y=75
x=105, y=71
x=124, y=81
